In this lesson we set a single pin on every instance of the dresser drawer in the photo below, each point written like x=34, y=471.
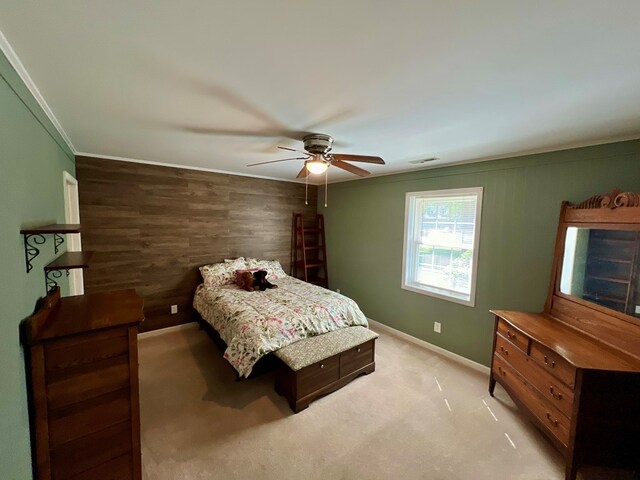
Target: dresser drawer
x=547, y=385
x=88, y=348
x=90, y=452
x=81, y=419
x=550, y=417
x=318, y=375
x=355, y=358
x=83, y=383
x=514, y=335
x=120, y=468
x=554, y=364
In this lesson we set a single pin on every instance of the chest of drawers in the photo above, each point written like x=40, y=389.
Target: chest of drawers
x=582, y=394
x=82, y=357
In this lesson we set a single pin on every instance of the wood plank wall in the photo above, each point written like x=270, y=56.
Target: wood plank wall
x=152, y=226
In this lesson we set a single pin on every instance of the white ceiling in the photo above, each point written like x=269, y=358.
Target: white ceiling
x=178, y=81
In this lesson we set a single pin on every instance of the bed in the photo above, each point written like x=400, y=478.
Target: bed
x=254, y=324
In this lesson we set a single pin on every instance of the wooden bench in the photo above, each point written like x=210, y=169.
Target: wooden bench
x=319, y=365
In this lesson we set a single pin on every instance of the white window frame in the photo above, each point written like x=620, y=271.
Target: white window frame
x=408, y=224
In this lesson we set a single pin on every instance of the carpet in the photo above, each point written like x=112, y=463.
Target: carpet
x=419, y=416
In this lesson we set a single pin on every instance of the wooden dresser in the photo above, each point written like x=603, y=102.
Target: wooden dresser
x=83, y=362
x=574, y=369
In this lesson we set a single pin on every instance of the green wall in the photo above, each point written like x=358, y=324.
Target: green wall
x=522, y=196
x=32, y=158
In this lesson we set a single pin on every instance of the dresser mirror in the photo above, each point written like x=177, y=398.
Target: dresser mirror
x=602, y=266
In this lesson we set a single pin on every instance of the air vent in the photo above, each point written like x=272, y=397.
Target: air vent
x=424, y=160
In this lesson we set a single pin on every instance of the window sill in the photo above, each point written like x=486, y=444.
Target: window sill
x=468, y=301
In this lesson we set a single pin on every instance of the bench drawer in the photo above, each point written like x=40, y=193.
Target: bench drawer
x=318, y=375
x=355, y=358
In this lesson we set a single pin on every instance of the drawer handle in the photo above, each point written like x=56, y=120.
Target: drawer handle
x=553, y=422
x=358, y=350
x=322, y=365
x=550, y=364
x=506, y=352
x=557, y=396
x=511, y=335
x=503, y=372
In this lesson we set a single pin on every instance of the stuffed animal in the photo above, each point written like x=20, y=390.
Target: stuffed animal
x=252, y=281
x=246, y=281
x=260, y=281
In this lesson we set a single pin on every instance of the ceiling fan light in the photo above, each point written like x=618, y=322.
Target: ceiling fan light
x=316, y=166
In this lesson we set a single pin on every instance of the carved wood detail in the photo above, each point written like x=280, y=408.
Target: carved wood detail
x=614, y=199
x=628, y=199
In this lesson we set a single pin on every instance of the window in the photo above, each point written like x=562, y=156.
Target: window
x=441, y=233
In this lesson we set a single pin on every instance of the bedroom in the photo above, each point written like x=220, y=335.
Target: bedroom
x=157, y=110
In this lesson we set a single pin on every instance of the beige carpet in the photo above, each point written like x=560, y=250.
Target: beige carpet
x=419, y=416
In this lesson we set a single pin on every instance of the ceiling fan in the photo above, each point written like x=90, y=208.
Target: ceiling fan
x=318, y=157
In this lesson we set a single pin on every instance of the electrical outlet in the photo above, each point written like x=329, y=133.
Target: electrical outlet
x=174, y=309
x=437, y=327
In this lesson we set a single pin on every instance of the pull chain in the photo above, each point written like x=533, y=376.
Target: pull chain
x=326, y=175
x=306, y=188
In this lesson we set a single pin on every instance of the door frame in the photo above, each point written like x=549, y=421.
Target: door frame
x=74, y=241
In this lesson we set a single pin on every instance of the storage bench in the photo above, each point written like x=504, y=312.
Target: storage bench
x=319, y=365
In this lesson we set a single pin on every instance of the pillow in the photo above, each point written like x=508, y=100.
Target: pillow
x=273, y=267
x=218, y=274
x=232, y=260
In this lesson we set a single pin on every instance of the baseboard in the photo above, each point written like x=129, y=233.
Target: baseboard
x=429, y=346
x=376, y=326
x=162, y=331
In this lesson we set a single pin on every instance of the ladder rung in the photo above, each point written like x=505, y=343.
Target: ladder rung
x=311, y=229
x=313, y=247
x=318, y=281
x=311, y=265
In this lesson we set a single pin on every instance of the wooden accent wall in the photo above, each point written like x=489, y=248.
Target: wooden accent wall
x=152, y=226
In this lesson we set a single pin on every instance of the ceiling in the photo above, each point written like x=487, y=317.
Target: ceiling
x=213, y=85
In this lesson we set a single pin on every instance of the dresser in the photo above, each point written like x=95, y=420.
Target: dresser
x=574, y=369
x=82, y=363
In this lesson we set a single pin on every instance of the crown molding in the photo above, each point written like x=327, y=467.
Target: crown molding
x=525, y=153
x=186, y=167
x=20, y=69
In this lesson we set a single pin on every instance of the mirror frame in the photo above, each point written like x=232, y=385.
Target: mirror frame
x=616, y=210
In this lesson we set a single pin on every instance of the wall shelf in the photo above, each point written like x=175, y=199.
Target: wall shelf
x=34, y=236
x=67, y=261
x=70, y=260
x=61, y=228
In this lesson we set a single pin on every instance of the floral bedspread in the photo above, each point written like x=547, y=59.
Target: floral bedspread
x=253, y=324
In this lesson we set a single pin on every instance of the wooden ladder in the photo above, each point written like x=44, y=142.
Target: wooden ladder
x=309, y=251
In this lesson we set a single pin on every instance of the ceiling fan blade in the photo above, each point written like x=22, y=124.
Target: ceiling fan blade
x=276, y=161
x=292, y=150
x=350, y=168
x=358, y=158
x=303, y=173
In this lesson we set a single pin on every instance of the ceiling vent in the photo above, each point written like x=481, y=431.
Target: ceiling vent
x=424, y=160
